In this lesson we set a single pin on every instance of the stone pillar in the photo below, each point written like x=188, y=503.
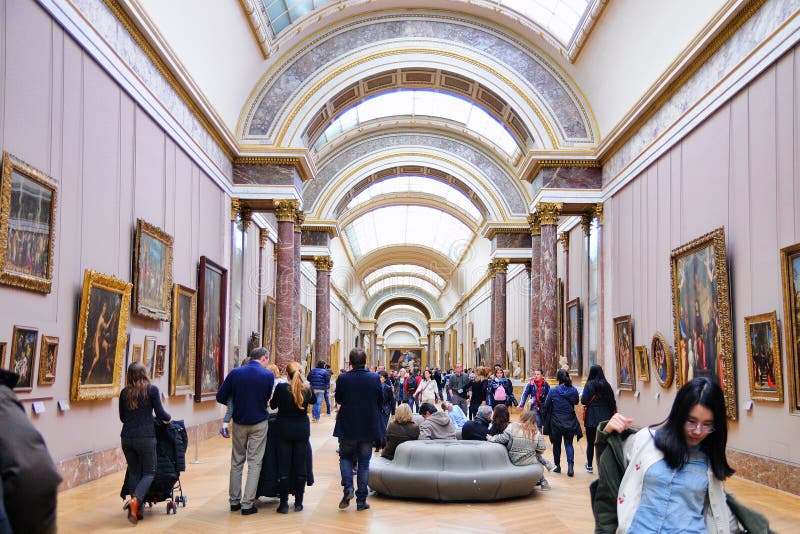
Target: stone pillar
x=601, y=352
x=564, y=238
x=286, y=320
x=263, y=234
x=548, y=218
x=498, y=268
x=322, y=328
x=535, y=352
x=297, y=344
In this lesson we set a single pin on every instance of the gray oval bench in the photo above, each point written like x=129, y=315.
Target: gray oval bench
x=449, y=470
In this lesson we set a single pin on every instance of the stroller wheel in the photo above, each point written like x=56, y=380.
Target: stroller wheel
x=170, y=506
x=183, y=501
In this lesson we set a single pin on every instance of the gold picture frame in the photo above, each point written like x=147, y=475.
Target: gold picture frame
x=790, y=271
x=702, y=314
x=48, y=358
x=623, y=350
x=101, y=339
x=663, y=360
x=183, y=340
x=764, y=363
x=268, y=328
x=136, y=354
x=33, y=228
x=2, y=355
x=161, y=356
x=152, y=272
x=23, y=356
x=642, y=363
x=149, y=355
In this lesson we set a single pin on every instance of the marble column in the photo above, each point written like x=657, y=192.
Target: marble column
x=297, y=344
x=263, y=234
x=535, y=352
x=601, y=320
x=564, y=239
x=286, y=313
x=498, y=268
x=322, y=327
x=548, y=218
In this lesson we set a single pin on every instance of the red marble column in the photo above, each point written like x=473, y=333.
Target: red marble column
x=548, y=217
x=297, y=344
x=601, y=352
x=286, y=313
x=498, y=268
x=322, y=327
x=564, y=238
x=535, y=352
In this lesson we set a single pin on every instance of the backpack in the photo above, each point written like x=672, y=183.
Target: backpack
x=411, y=384
x=500, y=393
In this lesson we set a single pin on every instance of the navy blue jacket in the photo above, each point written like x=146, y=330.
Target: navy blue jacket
x=359, y=394
x=530, y=390
x=319, y=378
x=599, y=403
x=560, y=404
x=250, y=387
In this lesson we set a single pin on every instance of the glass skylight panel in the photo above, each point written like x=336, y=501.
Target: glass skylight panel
x=282, y=13
x=407, y=225
x=417, y=184
x=560, y=17
x=422, y=103
x=402, y=282
x=405, y=269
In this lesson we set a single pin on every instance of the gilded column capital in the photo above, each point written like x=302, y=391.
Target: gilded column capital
x=498, y=265
x=236, y=207
x=299, y=219
x=586, y=222
x=285, y=210
x=536, y=225
x=323, y=263
x=564, y=238
x=598, y=212
x=263, y=234
x=548, y=212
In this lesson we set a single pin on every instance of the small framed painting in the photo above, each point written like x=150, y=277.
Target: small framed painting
x=152, y=272
x=663, y=362
x=48, y=357
x=23, y=356
x=184, y=329
x=136, y=354
x=642, y=364
x=623, y=350
x=764, y=362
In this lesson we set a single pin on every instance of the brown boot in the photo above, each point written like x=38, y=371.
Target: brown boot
x=133, y=510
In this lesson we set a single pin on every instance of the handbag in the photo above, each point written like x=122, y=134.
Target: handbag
x=583, y=417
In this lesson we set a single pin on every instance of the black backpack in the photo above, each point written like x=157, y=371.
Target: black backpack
x=411, y=384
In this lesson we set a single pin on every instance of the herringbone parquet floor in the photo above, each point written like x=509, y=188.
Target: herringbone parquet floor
x=95, y=507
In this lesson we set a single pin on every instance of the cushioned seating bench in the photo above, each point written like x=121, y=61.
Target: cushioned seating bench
x=450, y=470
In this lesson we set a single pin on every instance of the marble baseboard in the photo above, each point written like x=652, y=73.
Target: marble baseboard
x=91, y=466
x=773, y=473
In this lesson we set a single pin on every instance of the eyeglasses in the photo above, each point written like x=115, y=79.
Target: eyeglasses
x=705, y=429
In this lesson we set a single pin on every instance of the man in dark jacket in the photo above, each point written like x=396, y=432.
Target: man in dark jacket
x=358, y=425
x=320, y=380
x=478, y=428
x=537, y=389
x=29, y=477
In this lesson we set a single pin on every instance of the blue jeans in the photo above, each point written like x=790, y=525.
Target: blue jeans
x=411, y=402
x=355, y=454
x=140, y=454
x=327, y=403
x=317, y=408
x=555, y=439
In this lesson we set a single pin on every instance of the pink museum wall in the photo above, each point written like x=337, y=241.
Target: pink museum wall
x=62, y=114
x=739, y=169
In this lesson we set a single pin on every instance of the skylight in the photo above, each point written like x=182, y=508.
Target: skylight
x=417, y=184
x=420, y=102
x=559, y=17
x=405, y=269
x=282, y=13
x=403, y=282
x=408, y=225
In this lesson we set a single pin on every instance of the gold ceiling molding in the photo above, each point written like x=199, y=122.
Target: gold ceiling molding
x=318, y=225
x=323, y=263
x=299, y=163
x=587, y=25
x=689, y=70
x=172, y=79
x=434, y=283
x=548, y=212
x=540, y=164
x=257, y=25
x=424, y=257
x=492, y=229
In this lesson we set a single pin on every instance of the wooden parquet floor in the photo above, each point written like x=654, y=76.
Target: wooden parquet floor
x=96, y=508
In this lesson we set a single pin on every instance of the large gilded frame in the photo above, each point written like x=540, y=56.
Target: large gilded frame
x=713, y=244
x=769, y=324
x=8, y=276
x=160, y=310
x=210, y=362
x=623, y=353
x=268, y=328
x=180, y=292
x=93, y=280
x=790, y=270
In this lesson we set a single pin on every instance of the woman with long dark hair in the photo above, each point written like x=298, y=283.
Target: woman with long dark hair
x=138, y=400
x=598, y=405
x=559, y=408
x=673, y=471
x=477, y=388
x=500, y=419
x=291, y=399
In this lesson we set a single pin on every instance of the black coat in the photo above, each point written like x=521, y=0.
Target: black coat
x=599, y=405
x=559, y=407
x=475, y=430
x=359, y=395
x=268, y=480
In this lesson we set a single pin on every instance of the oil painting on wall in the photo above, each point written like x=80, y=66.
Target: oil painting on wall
x=764, y=357
x=23, y=356
x=407, y=358
x=183, y=339
x=663, y=362
x=790, y=267
x=152, y=272
x=210, y=329
x=623, y=350
x=48, y=357
x=268, y=329
x=574, y=336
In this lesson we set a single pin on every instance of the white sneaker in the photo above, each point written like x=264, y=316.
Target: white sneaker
x=544, y=485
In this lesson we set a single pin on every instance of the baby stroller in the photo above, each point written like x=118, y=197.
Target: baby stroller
x=171, y=444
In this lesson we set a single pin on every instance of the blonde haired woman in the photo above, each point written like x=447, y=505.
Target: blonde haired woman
x=291, y=399
x=402, y=429
x=524, y=443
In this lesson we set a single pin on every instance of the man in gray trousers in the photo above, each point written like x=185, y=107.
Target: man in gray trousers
x=457, y=388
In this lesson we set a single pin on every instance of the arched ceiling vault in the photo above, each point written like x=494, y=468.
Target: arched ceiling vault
x=375, y=306
x=290, y=93
x=425, y=257
x=393, y=315
x=408, y=199
x=406, y=324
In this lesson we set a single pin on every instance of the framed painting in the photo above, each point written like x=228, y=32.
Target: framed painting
x=136, y=353
x=790, y=269
x=23, y=356
x=27, y=226
x=623, y=350
x=183, y=338
x=48, y=357
x=574, y=336
x=304, y=330
x=408, y=358
x=642, y=363
x=701, y=314
x=149, y=358
x=663, y=362
x=161, y=356
x=3, y=355
x=152, y=272
x=560, y=313
x=101, y=337
x=211, y=305
x=764, y=363
x=268, y=328
x=310, y=328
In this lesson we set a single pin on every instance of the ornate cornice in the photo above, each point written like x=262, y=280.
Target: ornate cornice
x=564, y=238
x=539, y=164
x=548, y=212
x=503, y=228
x=536, y=226
x=285, y=210
x=299, y=218
x=299, y=164
x=323, y=263
x=498, y=266
x=263, y=234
